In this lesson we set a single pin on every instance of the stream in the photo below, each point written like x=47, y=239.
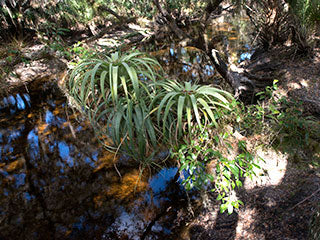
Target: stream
x=57, y=182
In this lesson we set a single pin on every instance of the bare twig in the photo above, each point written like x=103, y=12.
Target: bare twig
x=314, y=193
x=114, y=158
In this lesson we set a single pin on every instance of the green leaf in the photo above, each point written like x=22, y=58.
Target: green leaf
x=134, y=79
x=223, y=207
x=195, y=109
x=163, y=101
x=114, y=86
x=238, y=183
x=230, y=209
x=208, y=110
x=219, y=197
x=179, y=113
x=102, y=84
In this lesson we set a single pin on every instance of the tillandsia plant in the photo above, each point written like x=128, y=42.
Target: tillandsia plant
x=115, y=93
x=188, y=103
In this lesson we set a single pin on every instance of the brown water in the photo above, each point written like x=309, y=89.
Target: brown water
x=56, y=182
x=191, y=64
x=185, y=63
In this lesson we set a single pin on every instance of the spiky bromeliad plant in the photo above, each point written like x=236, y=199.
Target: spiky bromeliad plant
x=120, y=75
x=115, y=93
x=119, y=94
x=188, y=103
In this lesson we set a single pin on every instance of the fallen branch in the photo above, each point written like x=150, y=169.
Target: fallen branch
x=104, y=8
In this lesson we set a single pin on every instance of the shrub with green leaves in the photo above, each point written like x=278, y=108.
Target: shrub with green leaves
x=283, y=120
x=225, y=174
x=52, y=17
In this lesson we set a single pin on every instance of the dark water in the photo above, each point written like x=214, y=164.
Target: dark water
x=191, y=64
x=56, y=182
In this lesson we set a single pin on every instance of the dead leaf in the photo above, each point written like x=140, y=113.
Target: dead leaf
x=15, y=165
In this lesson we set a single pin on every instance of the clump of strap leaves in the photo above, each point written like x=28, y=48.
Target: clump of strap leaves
x=135, y=111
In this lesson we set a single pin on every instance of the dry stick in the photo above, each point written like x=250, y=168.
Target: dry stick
x=305, y=199
x=70, y=125
x=114, y=158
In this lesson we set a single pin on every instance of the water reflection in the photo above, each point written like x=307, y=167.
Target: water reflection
x=160, y=181
x=33, y=145
x=132, y=222
x=191, y=64
x=245, y=53
x=185, y=63
x=56, y=182
x=14, y=103
x=64, y=153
